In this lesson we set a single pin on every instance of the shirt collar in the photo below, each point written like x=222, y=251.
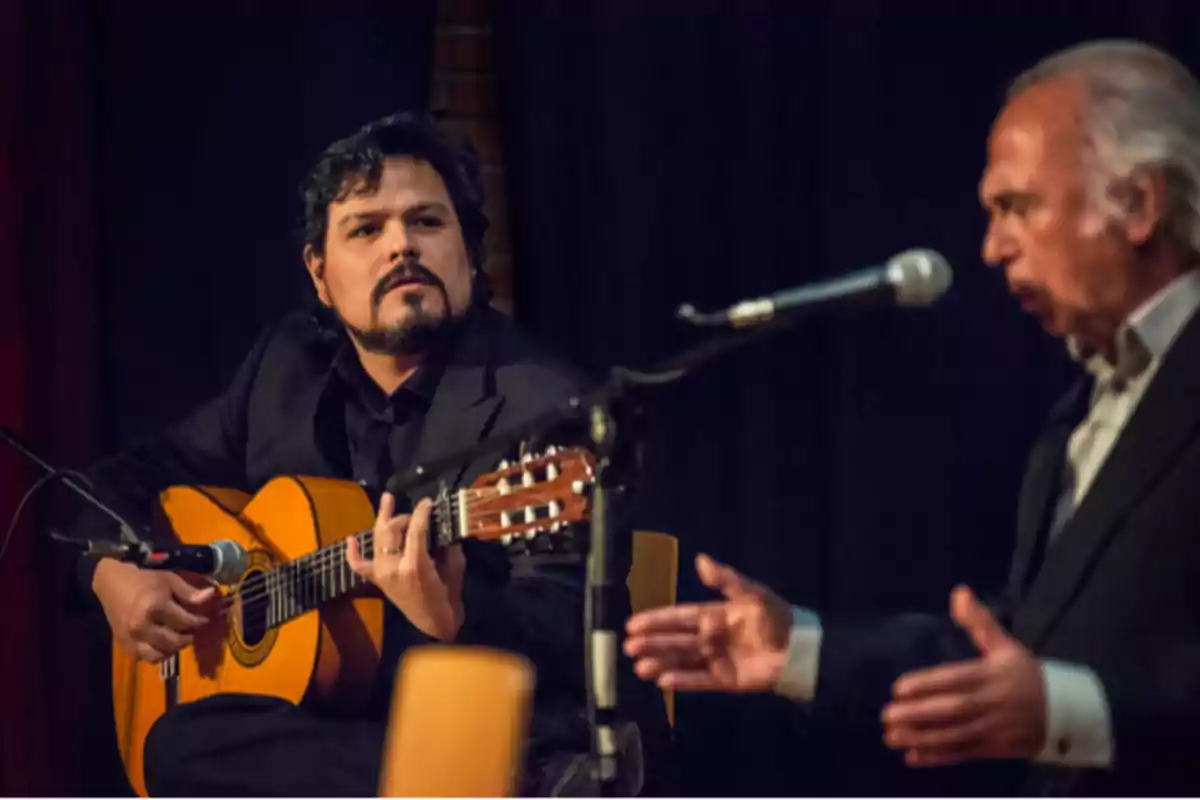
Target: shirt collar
x=1149, y=331
x=419, y=388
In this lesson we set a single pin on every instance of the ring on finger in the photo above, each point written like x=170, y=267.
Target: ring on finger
x=389, y=551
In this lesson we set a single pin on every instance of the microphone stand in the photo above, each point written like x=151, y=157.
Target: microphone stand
x=128, y=535
x=603, y=409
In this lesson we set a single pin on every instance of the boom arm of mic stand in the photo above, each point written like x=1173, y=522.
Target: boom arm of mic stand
x=668, y=371
x=127, y=531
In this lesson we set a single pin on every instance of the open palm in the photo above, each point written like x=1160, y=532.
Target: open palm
x=738, y=644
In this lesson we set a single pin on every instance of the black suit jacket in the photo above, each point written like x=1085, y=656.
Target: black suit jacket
x=276, y=419
x=1117, y=590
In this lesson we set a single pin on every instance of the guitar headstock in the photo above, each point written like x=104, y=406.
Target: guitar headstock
x=541, y=493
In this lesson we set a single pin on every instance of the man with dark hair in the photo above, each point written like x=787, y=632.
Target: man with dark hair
x=403, y=363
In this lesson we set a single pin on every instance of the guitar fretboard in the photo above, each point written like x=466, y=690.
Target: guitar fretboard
x=302, y=585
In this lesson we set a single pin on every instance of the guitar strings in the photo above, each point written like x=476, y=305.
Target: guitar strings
x=334, y=553
x=328, y=555
x=279, y=578
x=329, y=561
x=325, y=560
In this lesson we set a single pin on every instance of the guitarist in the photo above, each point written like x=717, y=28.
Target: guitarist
x=404, y=361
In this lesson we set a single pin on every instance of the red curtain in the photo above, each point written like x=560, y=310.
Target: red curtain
x=47, y=338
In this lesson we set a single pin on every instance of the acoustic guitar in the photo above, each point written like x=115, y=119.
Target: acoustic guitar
x=300, y=624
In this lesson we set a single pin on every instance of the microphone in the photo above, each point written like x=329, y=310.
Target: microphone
x=224, y=560
x=912, y=278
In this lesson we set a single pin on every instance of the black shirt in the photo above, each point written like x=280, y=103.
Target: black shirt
x=382, y=432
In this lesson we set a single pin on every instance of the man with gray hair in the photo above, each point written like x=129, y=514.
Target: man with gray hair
x=1085, y=673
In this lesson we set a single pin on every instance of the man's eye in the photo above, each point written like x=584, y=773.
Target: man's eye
x=429, y=222
x=365, y=229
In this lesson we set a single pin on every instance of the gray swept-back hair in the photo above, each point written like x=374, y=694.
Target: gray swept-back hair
x=1142, y=111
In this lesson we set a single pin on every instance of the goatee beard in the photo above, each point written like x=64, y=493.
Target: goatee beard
x=416, y=335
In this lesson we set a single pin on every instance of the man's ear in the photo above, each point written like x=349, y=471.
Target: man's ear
x=1144, y=202
x=315, y=263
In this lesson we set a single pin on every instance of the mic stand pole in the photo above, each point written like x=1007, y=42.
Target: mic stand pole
x=600, y=643
x=602, y=637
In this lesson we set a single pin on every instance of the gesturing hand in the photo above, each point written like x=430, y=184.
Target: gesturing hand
x=993, y=706
x=428, y=593
x=735, y=645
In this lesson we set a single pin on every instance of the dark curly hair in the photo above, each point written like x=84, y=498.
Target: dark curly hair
x=355, y=164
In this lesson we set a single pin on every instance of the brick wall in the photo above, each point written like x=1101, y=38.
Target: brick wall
x=463, y=93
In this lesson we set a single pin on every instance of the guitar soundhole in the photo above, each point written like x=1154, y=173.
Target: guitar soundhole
x=255, y=606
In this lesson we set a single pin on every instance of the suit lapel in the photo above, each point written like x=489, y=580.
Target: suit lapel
x=1041, y=485
x=1163, y=422
x=464, y=408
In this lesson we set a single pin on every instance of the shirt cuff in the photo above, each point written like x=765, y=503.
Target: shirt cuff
x=798, y=679
x=1078, y=724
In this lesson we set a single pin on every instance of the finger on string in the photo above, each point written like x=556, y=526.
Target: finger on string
x=176, y=617
x=416, y=533
x=354, y=557
x=148, y=653
x=166, y=640
x=186, y=591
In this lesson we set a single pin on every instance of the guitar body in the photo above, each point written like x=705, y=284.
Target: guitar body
x=326, y=654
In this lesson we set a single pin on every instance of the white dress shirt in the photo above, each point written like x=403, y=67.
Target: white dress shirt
x=1078, y=724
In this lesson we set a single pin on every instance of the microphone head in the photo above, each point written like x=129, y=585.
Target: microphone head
x=229, y=561
x=919, y=277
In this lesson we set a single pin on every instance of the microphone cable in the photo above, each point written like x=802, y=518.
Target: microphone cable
x=38, y=485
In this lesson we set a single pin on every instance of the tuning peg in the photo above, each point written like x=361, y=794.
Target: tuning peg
x=551, y=450
x=525, y=459
x=503, y=464
x=506, y=539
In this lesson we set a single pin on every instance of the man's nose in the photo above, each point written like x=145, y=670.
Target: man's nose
x=999, y=247
x=400, y=244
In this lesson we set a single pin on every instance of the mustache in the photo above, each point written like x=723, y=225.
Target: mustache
x=407, y=271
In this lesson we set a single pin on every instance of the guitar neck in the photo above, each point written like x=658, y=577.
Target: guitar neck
x=305, y=583
x=519, y=501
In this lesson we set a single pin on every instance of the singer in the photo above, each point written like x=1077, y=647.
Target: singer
x=1085, y=675
x=403, y=361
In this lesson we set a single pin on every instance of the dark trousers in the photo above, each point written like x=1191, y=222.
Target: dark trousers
x=253, y=746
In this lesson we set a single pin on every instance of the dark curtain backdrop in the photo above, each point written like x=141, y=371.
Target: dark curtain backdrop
x=47, y=312
x=149, y=164
x=207, y=123
x=858, y=463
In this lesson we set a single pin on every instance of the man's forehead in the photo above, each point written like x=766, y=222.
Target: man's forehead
x=1038, y=132
x=401, y=179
